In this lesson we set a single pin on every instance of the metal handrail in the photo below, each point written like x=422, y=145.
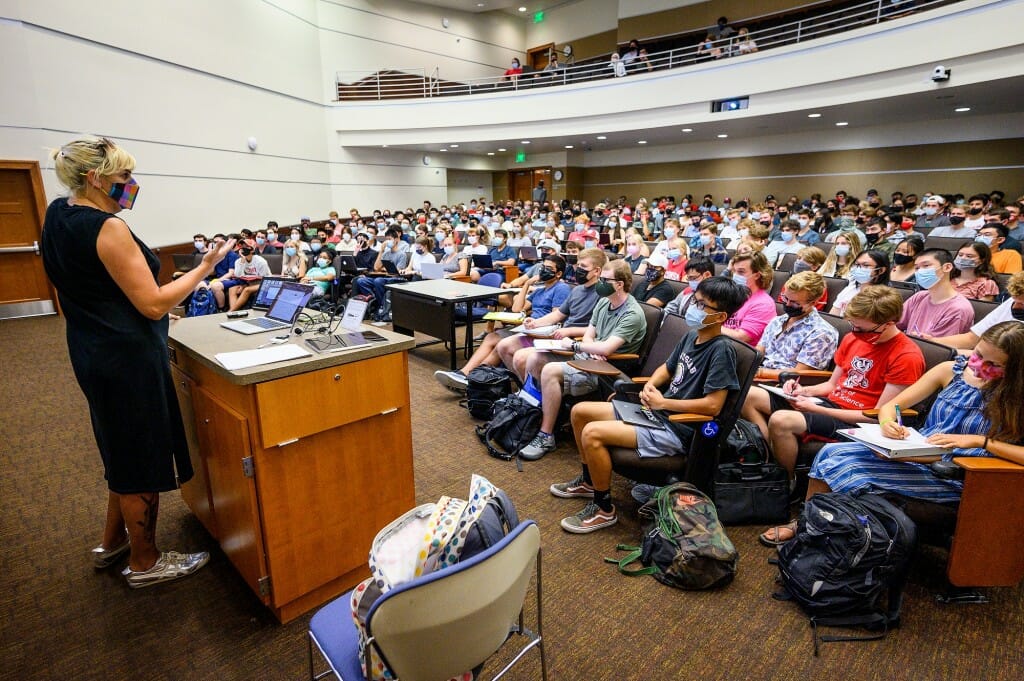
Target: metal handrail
x=416, y=83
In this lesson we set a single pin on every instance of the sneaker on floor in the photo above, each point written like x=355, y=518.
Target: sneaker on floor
x=453, y=380
x=574, y=488
x=380, y=322
x=591, y=518
x=643, y=492
x=538, y=447
x=103, y=558
x=170, y=565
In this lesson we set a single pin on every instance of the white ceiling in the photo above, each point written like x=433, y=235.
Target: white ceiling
x=476, y=6
x=919, y=107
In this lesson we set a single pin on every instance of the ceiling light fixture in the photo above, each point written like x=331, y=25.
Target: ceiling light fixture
x=842, y=124
x=687, y=129
x=814, y=115
x=442, y=149
x=602, y=137
x=569, y=146
x=524, y=141
x=962, y=109
x=522, y=9
x=641, y=141
x=502, y=149
x=453, y=146
x=490, y=153
x=722, y=136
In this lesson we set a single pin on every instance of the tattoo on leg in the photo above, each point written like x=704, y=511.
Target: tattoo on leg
x=148, y=522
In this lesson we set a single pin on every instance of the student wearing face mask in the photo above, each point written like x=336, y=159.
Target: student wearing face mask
x=876, y=236
x=787, y=243
x=636, y=252
x=421, y=253
x=974, y=276
x=976, y=413
x=502, y=255
x=873, y=363
x=676, y=252
x=670, y=230
x=798, y=338
x=321, y=274
x=1004, y=260
x=652, y=288
x=840, y=260
x=1011, y=309
x=749, y=322
x=708, y=245
x=938, y=310
x=394, y=250
x=272, y=234
x=806, y=234
x=976, y=211
x=903, y=259
x=871, y=268
x=618, y=325
x=293, y=262
x=477, y=240
x=616, y=234
x=697, y=270
x=583, y=234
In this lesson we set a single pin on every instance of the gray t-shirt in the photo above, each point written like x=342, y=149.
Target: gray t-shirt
x=626, y=322
x=400, y=258
x=579, y=306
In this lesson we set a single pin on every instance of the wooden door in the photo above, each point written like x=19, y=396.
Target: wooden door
x=24, y=289
x=538, y=57
x=223, y=436
x=520, y=185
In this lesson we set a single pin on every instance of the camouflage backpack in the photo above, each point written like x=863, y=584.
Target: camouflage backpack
x=684, y=545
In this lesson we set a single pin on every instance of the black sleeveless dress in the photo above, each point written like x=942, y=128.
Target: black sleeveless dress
x=119, y=357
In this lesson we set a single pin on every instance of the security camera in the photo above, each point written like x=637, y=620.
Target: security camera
x=940, y=73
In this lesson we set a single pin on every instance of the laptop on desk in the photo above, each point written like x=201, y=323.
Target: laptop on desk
x=432, y=270
x=290, y=301
x=347, y=264
x=528, y=253
x=267, y=294
x=390, y=267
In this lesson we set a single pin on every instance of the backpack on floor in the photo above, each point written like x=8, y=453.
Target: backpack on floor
x=514, y=423
x=485, y=386
x=425, y=539
x=202, y=303
x=848, y=551
x=684, y=544
x=745, y=444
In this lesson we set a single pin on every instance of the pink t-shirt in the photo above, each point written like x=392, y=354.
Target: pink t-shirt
x=948, y=318
x=754, y=316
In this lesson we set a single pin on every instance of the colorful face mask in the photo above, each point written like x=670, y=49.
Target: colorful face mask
x=984, y=370
x=125, y=193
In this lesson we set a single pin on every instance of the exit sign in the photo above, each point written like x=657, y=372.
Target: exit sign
x=520, y=157
x=538, y=17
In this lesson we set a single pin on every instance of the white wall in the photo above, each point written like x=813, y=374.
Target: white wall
x=361, y=36
x=466, y=185
x=573, y=20
x=638, y=8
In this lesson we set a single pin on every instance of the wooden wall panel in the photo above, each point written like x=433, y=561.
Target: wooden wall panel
x=701, y=15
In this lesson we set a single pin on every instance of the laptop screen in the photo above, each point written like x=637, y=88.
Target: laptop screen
x=290, y=300
x=269, y=288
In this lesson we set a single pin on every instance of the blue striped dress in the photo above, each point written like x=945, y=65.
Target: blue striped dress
x=848, y=467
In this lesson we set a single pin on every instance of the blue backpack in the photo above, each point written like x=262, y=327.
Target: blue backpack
x=202, y=303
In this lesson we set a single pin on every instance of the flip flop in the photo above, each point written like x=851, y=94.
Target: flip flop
x=775, y=532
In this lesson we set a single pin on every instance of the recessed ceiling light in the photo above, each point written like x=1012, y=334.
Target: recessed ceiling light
x=524, y=141
x=687, y=129
x=602, y=137
x=569, y=146
x=479, y=4
x=522, y=9
x=962, y=109
x=641, y=142
x=502, y=149
x=490, y=153
x=842, y=124
x=722, y=136
x=814, y=115
x=442, y=149
x=454, y=146
x=384, y=146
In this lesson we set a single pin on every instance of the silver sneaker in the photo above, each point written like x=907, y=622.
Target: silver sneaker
x=103, y=558
x=453, y=380
x=538, y=447
x=170, y=565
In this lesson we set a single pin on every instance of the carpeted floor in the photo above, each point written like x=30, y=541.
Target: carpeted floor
x=62, y=620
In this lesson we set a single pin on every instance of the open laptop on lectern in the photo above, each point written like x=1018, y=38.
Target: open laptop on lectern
x=291, y=299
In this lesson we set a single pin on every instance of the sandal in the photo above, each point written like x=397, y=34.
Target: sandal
x=773, y=536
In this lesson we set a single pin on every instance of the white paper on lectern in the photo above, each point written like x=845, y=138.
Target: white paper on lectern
x=355, y=310
x=243, y=359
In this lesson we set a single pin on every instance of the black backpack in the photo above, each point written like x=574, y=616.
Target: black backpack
x=487, y=385
x=498, y=518
x=514, y=423
x=848, y=551
x=745, y=444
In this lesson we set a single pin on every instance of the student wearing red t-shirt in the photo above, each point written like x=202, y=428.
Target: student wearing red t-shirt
x=874, y=362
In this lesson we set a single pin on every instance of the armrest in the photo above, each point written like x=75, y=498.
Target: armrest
x=771, y=375
x=873, y=413
x=594, y=366
x=511, y=272
x=690, y=418
x=618, y=356
x=988, y=464
x=461, y=277
x=640, y=379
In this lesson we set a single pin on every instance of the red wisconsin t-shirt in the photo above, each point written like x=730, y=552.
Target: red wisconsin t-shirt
x=868, y=368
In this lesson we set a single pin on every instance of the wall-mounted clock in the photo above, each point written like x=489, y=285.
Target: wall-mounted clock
x=559, y=175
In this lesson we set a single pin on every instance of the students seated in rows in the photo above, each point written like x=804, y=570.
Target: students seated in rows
x=697, y=270
x=1011, y=309
x=938, y=310
x=263, y=245
x=618, y=325
x=749, y=322
x=1004, y=260
x=321, y=274
x=874, y=362
x=696, y=378
x=840, y=260
x=652, y=288
x=502, y=255
x=799, y=338
x=538, y=296
x=421, y=253
x=871, y=268
x=903, y=259
x=583, y=234
x=393, y=250
x=569, y=320
x=708, y=244
x=976, y=413
x=974, y=278
x=636, y=252
x=247, y=267
x=476, y=242
x=957, y=226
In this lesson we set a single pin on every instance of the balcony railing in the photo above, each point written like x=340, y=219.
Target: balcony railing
x=418, y=84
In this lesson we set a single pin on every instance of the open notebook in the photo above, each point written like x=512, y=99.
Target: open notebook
x=870, y=434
